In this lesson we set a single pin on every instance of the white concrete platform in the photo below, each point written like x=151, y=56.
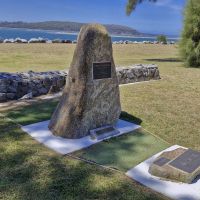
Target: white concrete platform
x=179, y=191
x=42, y=134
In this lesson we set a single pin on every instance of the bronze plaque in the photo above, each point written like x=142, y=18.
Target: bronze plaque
x=105, y=130
x=188, y=162
x=161, y=161
x=101, y=70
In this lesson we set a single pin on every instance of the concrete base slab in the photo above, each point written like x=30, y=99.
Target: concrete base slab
x=174, y=190
x=42, y=134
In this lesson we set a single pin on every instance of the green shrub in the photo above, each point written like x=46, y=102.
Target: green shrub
x=162, y=39
x=190, y=41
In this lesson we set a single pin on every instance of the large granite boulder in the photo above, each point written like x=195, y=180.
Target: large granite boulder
x=90, y=99
x=180, y=165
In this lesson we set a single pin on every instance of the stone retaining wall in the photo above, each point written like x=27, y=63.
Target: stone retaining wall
x=16, y=85
x=137, y=73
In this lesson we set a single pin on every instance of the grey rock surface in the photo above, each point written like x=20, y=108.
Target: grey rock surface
x=28, y=96
x=88, y=103
x=2, y=97
x=16, y=85
x=138, y=73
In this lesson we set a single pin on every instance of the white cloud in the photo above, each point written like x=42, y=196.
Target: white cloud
x=169, y=4
x=163, y=2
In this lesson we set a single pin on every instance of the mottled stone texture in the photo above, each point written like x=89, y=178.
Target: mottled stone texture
x=86, y=103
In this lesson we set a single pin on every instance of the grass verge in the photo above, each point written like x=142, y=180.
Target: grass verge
x=123, y=152
x=30, y=171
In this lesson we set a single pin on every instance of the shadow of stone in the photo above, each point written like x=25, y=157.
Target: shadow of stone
x=188, y=197
x=164, y=60
x=34, y=113
x=130, y=118
x=196, y=179
x=30, y=171
x=14, y=168
x=11, y=133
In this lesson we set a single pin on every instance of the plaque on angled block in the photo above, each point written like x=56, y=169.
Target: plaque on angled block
x=188, y=162
x=91, y=97
x=103, y=132
x=161, y=161
x=181, y=165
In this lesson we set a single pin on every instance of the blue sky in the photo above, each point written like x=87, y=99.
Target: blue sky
x=165, y=16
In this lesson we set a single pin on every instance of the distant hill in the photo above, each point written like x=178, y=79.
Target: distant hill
x=72, y=27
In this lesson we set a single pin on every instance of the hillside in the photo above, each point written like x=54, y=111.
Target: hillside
x=71, y=27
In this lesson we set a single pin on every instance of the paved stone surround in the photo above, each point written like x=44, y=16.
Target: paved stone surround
x=15, y=85
x=41, y=133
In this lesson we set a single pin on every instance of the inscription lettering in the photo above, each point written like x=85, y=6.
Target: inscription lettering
x=101, y=70
x=188, y=161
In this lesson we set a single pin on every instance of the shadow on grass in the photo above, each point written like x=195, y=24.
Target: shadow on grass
x=33, y=113
x=130, y=118
x=5, y=123
x=31, y=171
x=164, y=60
x=38, y=112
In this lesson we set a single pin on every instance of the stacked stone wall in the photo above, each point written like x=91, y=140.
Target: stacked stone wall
x=15, y=85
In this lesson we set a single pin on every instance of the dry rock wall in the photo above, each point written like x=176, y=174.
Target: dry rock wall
x=15, y=85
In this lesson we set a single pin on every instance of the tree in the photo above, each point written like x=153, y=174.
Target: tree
x=131, y=5
x=162, y=39
x=190, y=42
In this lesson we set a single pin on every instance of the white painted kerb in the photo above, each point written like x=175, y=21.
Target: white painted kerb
x=42, y=134
x=179, y=191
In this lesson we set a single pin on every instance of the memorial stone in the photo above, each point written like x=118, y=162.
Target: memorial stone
x=90, y=98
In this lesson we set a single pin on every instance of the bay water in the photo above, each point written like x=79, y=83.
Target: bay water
x=12, y=33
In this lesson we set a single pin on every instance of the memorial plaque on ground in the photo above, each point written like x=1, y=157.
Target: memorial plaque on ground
x=103, y=132
x=188, y=162
x=181, y=165
x=161, y=161
x=91, y=96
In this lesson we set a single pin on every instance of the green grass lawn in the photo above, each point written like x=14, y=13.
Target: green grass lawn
x=36, y=57
x=44, y=57
x=169, y=108
x=31, y=114
x=122, y=153
x=30, y=171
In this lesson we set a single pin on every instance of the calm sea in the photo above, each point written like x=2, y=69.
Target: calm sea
x=8, y=33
